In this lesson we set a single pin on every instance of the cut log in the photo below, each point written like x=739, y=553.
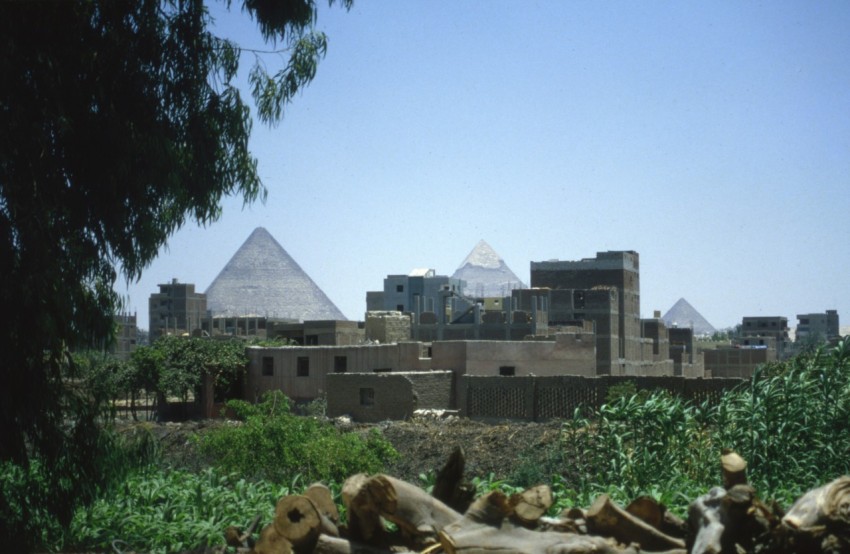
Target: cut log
x=323, y=500
x=722, y=521
x=449, y=487
x=468, y=537
x=490, y=509
x=608, y=519
x=734, y=469
x=412, y=509
x=364, y=523
x=531, y=504
x=656, y=514
x=299, y=521
x=334, y=545
x=271, y=542
x=235, y=537
x=828, y=505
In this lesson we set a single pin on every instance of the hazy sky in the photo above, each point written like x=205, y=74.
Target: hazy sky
x=713, y=138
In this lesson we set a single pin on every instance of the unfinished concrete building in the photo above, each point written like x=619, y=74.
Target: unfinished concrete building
x=755, y=331
x=617, y=269
x=422, y=290
x=817, y=327
x=176, y=309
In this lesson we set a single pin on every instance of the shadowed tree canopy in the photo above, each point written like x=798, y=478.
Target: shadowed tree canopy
x=119, y=122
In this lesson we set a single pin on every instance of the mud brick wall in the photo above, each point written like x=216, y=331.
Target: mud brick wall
x=541, y=398
x=374, y=397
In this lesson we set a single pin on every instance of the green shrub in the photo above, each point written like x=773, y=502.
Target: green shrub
x=269, y=442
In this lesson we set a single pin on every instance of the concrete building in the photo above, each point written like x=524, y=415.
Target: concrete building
x=422, y=290
x=617, y=269
x=687, y=362
x=176, y=309
x=754, y=331
x=126, y=336
x=817, y=327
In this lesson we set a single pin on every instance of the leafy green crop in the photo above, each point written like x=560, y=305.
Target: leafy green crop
x=169, y=511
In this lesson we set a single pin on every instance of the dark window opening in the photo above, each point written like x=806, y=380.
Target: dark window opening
x=507, y=371
x=367, y=397
x=400, y=307
x=303, y=367
x=399, y=288
x=578, y=299
x=340, y=364
x=268, y=366
x=311, y=340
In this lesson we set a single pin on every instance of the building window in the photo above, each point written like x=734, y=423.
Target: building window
x=340, y=364
x=507, y=371
x=578, y=299
x=303, y=367
x=268, y=366
x=311, y=340
x=399, y=307
x=399, y=288
x=367, y=397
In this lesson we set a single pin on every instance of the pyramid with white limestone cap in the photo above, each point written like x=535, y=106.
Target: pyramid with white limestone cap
x=262, y=279
x=682, y=314
x=486, y=274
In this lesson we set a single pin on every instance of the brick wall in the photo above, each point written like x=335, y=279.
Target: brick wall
x=541, y=398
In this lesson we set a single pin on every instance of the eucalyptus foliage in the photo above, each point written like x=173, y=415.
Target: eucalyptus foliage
x=120, y=121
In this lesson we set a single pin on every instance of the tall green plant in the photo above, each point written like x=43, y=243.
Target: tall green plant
x=656, y=445
x=792, y=423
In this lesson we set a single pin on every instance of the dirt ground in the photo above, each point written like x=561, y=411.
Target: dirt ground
x=501, y=449
x=424, y=444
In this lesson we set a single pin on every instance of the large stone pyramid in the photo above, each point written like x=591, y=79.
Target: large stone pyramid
x=486, y=273
x=683, y=314
x=261, y=279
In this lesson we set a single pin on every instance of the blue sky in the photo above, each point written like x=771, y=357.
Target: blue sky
x=713, y=138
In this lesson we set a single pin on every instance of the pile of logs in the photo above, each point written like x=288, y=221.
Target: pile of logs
x=386, y=515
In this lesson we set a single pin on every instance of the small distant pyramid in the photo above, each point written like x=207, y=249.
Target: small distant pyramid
x=683, y=314
x=261, y=279
x=486, y=273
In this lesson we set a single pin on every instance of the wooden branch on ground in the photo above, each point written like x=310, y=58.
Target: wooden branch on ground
x=608, y=519
x=449, y=487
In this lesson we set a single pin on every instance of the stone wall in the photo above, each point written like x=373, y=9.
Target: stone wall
x=370, y=398
x=541, y=398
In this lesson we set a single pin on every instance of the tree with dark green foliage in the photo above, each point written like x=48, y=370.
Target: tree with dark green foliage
x=175, y=366
x=119, y=122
